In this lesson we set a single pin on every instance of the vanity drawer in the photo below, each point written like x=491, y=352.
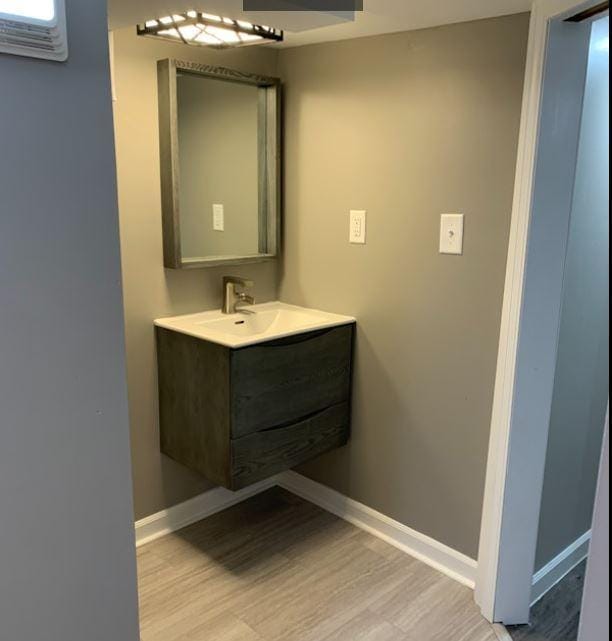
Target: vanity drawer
x=263, y=454
x=282, y=381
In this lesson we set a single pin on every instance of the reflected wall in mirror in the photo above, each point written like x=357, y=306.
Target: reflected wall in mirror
x=218, y=156
x=220, y=165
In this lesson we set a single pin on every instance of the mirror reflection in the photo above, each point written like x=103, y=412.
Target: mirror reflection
x=218, y=156
x=219, y=137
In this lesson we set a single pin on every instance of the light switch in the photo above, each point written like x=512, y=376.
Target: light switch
x=218, y=218
x=357, y=233
x=451, y=234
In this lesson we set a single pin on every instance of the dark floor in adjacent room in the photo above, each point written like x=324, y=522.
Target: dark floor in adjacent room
x=557, y=616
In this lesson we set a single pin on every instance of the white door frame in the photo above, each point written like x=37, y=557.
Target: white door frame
x=532, y=305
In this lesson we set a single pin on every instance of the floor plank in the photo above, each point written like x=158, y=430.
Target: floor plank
x=367, y=626
x=277, y=568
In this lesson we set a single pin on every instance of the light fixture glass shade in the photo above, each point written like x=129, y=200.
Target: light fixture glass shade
x=205, y=29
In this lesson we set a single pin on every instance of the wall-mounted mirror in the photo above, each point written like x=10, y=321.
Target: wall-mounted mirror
x=220, y=165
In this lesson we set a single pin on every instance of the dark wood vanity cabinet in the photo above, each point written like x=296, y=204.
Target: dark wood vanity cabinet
x=238, y=416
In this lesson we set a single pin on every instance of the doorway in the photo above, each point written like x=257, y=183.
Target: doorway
x=541, y=489
x=580, y=392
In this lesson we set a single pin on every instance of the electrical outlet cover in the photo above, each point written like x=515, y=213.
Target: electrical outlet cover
x=357, y=231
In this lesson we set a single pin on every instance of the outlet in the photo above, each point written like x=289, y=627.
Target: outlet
x=357, y=233
x=218, y=218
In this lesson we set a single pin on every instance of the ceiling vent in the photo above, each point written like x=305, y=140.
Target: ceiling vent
x=36, y=29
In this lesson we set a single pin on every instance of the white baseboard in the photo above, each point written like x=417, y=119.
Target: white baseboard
x=444, y=559
x=551, y=574
x=175, y=518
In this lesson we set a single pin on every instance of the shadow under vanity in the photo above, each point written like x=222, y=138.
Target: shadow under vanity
x=250, y=390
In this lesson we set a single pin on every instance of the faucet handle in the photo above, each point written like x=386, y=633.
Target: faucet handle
x=245, y=298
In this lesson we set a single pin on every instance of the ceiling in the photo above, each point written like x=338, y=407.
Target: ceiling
x=379, y=16
x=123, y=13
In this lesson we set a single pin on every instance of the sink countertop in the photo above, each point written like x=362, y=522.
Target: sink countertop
x=269, y=322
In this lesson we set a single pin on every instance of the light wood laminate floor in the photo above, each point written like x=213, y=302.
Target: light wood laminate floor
x=277, y=568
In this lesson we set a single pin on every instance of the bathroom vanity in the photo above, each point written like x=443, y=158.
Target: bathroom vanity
x=244, y=396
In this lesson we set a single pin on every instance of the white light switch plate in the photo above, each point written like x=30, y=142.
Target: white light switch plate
x=218, y=218
x=357, y=232
x=451, y=234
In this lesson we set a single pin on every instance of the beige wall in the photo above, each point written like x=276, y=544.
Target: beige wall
x=150, y=291
x=408, y=126
x=218, y=147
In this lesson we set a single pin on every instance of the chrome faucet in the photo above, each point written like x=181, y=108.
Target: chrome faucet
x=233, y=300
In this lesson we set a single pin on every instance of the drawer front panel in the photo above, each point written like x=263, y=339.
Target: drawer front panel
x=280, y=382
x=263, y=454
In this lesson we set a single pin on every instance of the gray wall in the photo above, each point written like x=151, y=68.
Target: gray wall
x=150, y=291
x=218, y=148
x=408, y=126
x=67, y=567
x=580, y=395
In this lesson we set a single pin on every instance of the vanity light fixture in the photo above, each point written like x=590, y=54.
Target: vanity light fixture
x=208, y=30
x=36, y=29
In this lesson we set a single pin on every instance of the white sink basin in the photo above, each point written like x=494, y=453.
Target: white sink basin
x=268, y=322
